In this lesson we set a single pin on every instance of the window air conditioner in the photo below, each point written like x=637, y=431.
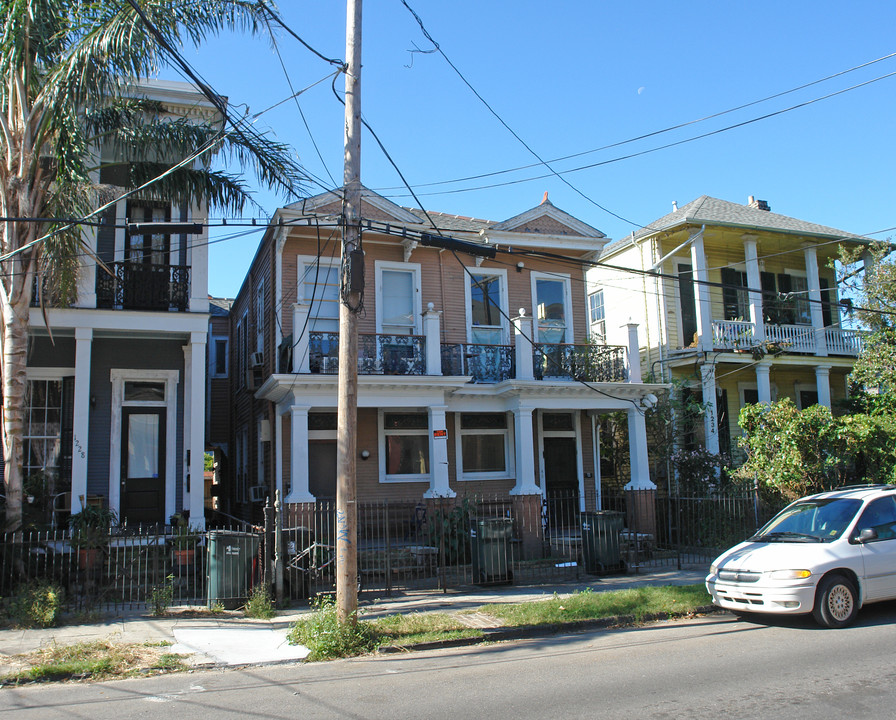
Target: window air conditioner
x=258, y=493
x=256, y=359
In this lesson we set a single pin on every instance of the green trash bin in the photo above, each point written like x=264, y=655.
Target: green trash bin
x=231, y=560
x=600, y=541
x=490, y=543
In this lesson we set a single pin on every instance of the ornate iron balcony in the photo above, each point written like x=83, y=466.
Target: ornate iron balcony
x=377, y=354
x=485, y=363
x=592, y=363
x=141, y=286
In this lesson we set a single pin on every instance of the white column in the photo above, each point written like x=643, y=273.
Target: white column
x=711, y=410
x=763, y=385
x=298, y=461
x=823, y=382
x=821, y=346
x=522, y=346
x=754, y=282
x=524, y=452
x=301, y=362
x=634, y=353
x=81, y=425
x=637, y=448
x=194, y=427
x=431, y=333
x=197, y=258
x=438, y=454
x=701, y=293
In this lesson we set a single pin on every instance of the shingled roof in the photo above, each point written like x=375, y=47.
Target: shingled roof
x=706, y=210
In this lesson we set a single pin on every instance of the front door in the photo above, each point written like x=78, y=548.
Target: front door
x=561, y=482
x=322, y=469
x=143, y=465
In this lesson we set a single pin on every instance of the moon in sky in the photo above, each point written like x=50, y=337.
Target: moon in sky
x=640, y=90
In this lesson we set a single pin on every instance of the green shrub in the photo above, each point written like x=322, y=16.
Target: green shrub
x=260, y=605
x=328, y=638
x=37, y=604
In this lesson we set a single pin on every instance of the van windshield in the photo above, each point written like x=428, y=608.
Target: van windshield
x=810, y=521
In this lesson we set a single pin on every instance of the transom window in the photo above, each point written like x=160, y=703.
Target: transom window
x=406, y=437
x=136, y=391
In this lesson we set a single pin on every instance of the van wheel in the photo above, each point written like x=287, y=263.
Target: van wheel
x=836, y=602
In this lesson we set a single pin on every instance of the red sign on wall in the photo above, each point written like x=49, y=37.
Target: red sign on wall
x=440, y=433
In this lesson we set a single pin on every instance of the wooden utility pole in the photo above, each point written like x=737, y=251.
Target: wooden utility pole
x=352, y=288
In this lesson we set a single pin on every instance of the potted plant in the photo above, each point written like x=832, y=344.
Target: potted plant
x=183, y=540
x=90, y=533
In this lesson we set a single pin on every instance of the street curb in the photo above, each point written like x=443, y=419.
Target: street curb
x=534, y=631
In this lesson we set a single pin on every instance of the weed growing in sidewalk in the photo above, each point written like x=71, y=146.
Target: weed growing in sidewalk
x=327, y=637
x=36, y=604
x=162, y=596
x=260, y=605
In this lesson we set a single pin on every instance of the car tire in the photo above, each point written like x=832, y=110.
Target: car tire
x=836, y=602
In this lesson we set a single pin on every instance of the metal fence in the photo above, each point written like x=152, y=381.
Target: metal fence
x=433, y=544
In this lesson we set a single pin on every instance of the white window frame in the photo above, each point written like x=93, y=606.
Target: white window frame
x=214, y=356
x=509, y=451
x=259, y=317
x=598, y=328
x=411, y=477
x=416, y=301
x=800, y=387
x=567, y=303
x=241, y=458
x=741, y=386
x=501, y=273
x=305, y=264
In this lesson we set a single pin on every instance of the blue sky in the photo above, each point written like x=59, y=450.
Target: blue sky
x=569, y=77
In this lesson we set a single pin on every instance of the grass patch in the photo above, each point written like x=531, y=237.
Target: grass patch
x=421, y=628
x=100, y=660
x=327, y=638
x=639, y=603
x=260, y=604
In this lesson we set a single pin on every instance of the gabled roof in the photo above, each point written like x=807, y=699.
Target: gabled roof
x=219, y=307
x=706, y=210
x=547, y=217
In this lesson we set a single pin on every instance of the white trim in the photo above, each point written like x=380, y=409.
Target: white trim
x=509, y=451
x=799, y=387
x=48, y=373
x=503, y=294
x=213, y=356
x=381, y=445
x=566, y=279
x=416, y=301
x=741, y=386
x=118, y=377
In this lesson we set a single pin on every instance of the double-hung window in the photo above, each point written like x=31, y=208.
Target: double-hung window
x=487, y=307
x=406, y=440
x=552, y=308
x=319, y=287
x=598, y=318
x=484, y=440
x=398, y=304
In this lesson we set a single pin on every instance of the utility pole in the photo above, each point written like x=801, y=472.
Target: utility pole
x=352, y=287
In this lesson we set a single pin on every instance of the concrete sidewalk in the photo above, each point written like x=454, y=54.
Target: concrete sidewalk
x=231, y=639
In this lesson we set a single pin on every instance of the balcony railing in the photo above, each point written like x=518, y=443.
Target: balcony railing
x=377, y=354
x=739, y=335
x=592, y=363
x=485, y=363
x=139, y=286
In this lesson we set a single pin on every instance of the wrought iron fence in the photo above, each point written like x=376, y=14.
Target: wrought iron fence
x=139, y=286
x=433, y=544
x=377, y=354
x=485, y=363
x=592, y=363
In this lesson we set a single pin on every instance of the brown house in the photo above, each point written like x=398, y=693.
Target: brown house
x=475, y=375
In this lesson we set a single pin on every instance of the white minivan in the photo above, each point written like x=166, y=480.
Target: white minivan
x=827, y=554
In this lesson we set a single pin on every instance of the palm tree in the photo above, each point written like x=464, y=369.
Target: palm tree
x=68, y=70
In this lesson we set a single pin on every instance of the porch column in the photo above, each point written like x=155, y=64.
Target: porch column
x=710, y=421
x=763, y=385
x=301, y=362
x=438, y=454
x=701, y=293
x=823, y=382
x=754, y=282
x=197, y=259
x=640, y=492
x=524, y=453
x=522, y=347
x=821, y=346
x=80, y=432
x=298, y=460
x=432, y=332
x=194, y=428
x=634, y=353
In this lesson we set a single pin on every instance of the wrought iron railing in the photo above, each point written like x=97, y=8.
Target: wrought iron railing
x=591, y=363
x=485, y=363
x=138, y=286
x=377, y=354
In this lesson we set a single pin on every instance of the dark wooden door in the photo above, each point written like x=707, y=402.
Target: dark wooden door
x=143, y=465
x=561, y=481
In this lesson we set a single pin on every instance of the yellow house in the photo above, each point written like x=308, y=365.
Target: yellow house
x=737, y=302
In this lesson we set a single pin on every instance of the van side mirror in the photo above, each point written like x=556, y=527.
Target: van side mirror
x=867, y=534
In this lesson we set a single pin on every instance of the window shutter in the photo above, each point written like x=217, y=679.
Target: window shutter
x=688, y=306
x=730, y=282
